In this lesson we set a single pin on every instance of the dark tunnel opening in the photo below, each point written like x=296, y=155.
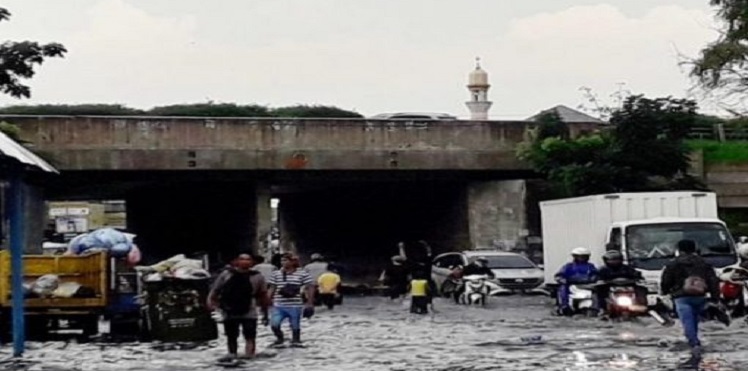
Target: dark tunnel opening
x=360, y=226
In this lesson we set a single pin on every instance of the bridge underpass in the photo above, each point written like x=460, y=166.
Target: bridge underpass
x=356, y=216
x=196, y=184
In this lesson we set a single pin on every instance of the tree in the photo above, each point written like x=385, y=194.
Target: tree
x=551, y=125
x=314, y=112
x=723, y=64
x=211, y=110
x=72, y=110
x=644, y=150
x=18, y=60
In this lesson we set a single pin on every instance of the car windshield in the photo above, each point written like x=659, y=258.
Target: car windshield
x=652, y=246
x=506, y=262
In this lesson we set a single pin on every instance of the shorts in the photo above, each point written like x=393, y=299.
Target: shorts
x=292, y=313
x=248, y=325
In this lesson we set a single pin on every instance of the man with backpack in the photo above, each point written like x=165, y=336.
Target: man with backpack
x=237, y=292
x=687, y=279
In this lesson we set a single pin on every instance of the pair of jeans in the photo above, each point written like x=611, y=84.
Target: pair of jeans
x=293, y=314
x=689, y=310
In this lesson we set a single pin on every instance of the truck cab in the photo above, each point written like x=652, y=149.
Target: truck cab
x=649, y=245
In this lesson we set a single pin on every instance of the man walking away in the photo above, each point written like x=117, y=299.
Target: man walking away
x=285, y=290
x=395, y=277
x=237, y=292
x=328, y=285
x=316, y=267
x=265, y=268
x=687, y=279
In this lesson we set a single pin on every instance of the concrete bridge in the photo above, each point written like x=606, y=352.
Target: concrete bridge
x=344, y=184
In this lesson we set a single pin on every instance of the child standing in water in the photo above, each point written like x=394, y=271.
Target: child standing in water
x=420, y=293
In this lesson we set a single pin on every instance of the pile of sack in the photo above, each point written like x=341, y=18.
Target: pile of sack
x=116, y=243
x=49, y=286
x=178, y=266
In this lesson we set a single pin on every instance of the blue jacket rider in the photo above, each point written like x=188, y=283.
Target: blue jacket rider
x=579, y=271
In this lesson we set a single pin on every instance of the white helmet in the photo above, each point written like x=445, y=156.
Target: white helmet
x=743, y=251
x=581, y=251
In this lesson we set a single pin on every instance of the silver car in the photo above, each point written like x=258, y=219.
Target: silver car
x=514, y=272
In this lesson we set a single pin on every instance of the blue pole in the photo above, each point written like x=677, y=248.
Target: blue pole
x=15, y=213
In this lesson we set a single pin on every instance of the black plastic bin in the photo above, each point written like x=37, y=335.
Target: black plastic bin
x=175, y=311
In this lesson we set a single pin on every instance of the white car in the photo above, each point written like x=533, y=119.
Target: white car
x=514, y=272
x=414, y=116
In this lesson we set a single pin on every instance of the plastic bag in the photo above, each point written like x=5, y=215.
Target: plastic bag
x=187, y=263
x=66, y=290
x=134, y=256
x=190, y=273
x=112, y=240
x=45, y=285
x=167, y=264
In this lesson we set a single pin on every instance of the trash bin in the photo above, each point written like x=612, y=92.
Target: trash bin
x=175, y=311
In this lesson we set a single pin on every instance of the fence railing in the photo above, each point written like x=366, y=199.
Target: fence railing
x=719, y=132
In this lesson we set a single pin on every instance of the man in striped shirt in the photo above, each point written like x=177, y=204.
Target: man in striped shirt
x=285, y=292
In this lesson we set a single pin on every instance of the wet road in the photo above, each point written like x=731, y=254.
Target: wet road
x=376, y=334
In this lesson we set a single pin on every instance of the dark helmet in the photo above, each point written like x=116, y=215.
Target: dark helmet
x=612, y=255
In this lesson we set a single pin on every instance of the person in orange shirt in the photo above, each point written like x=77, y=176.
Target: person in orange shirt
x=328, y=285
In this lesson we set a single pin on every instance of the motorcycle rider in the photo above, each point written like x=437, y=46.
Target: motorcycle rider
x=613, y=269
x=478, y=267
x=578, y=271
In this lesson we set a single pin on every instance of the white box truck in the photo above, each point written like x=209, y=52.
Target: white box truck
x=645, y=227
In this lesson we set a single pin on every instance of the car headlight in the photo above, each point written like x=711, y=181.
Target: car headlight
x=624, y=301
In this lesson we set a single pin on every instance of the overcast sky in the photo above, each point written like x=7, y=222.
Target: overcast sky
x=371, y=56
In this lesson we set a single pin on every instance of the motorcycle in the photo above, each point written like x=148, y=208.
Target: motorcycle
x=623, y=301
x=734, y=290
x=477, y=289
x=582, y=299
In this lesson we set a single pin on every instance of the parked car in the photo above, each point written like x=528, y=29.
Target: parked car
x=514, y=272
x=414, y=116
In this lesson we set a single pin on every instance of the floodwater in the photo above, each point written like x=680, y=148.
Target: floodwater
x=511, y=333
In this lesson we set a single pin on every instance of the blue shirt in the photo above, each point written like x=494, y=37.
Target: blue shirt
x=578, y=272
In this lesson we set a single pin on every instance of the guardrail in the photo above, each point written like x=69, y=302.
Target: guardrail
x=719, y=132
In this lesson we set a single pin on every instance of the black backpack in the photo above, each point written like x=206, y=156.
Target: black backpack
x=237, y=293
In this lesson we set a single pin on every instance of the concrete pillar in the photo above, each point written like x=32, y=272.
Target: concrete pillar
x=35, y=214
x=287, y=226
x=263, y=219
x=496, y=213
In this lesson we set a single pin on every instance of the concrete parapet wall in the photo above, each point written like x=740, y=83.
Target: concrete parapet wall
x=730, y=182
x=129, y=143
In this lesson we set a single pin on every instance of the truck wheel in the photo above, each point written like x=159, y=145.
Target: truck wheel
x=5, y=327
x=90, y=326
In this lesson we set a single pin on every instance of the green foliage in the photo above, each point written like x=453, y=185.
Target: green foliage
x=18, y=60
x=210, y=110
x=721, y=152
x=12, y=131
x=551, y=125
x=182, y=110
x=314, y=112
x=644, y=151
x=71, y=110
